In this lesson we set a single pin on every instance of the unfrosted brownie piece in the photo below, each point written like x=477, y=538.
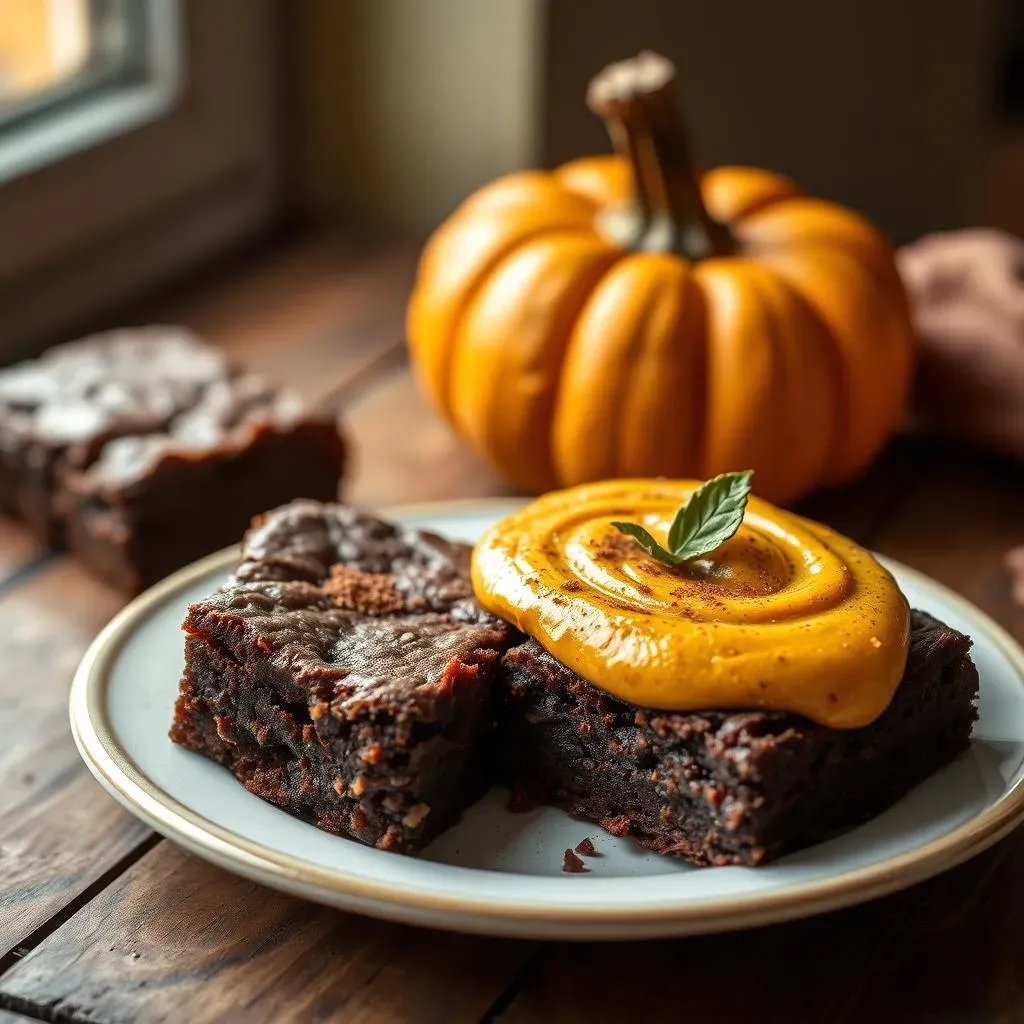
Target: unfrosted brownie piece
x=721, y=787
x=151, y=503
x=144, y=448
x=58, y=411
x=345, y=673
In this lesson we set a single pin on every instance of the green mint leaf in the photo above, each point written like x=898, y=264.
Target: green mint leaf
x=647, y=542
x=711, y=516
x=707, y=520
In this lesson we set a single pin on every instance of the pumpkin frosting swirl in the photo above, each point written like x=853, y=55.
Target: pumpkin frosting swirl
x=786, y=615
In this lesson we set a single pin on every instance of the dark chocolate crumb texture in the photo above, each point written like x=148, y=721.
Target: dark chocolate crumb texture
x=58, y=412
x=347, y=674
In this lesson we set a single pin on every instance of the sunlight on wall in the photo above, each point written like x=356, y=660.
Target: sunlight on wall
x=405, y=107
x=42, y=43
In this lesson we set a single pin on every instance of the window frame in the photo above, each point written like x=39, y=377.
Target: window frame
x=87, y=233
x=90, y=107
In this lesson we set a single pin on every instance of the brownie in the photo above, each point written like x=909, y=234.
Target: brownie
x=143, y=449
x=345, y=673
x=149, y=504
x=722, y=787
x=59, y=410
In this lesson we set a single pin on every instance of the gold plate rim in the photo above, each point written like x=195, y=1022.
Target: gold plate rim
x=127, y=783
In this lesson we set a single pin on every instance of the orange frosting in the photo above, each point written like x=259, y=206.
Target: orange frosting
x=787, y=614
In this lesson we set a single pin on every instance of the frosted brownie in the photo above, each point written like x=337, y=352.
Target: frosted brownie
x=347, y=674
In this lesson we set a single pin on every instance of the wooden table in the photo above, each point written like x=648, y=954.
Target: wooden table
x=102, y=921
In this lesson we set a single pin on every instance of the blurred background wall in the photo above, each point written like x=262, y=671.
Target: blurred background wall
x=890, y=107
x=401, y=107
x=877, y=104
x=142, y=139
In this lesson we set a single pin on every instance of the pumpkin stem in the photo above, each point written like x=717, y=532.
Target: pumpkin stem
x=636, y=101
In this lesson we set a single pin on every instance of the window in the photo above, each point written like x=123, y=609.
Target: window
x=76, y=72
x=42, y=46
x=137, y=138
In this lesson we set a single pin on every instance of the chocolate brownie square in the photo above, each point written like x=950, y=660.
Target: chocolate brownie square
x=58, y=411
x=143, y=449
x=148, y=504
x=345, y=673
x=723, y=787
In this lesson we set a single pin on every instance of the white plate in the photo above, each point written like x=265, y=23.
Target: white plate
x=500, y=873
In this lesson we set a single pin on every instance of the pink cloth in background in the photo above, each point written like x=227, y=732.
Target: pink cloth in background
x=966, y=292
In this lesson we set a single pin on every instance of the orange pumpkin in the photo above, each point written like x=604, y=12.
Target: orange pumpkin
x=620, y=317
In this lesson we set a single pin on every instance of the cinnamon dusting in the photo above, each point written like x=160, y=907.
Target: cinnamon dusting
x=617, y=547
x=370, y=593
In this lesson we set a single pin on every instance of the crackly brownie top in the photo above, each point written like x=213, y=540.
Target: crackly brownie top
x=127, y=381
x=224, y=416
x=348, y=608
x=115, y=404
x=363, y=562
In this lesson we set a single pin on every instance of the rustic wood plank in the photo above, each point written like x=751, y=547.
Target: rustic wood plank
x=862, y=508
x=312, y=314
x=177, y=939
x=917, y=956
x=249, y=941
x=18, y=549
x=957, y=524
x=58, y=832
x=944, y=950
x=403, y=451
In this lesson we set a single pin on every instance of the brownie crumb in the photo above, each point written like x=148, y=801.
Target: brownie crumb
x=618, y=825
x=586, y=848
x=369, y=593
x=416, y=815
x=519, y=801
x=572, y=864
